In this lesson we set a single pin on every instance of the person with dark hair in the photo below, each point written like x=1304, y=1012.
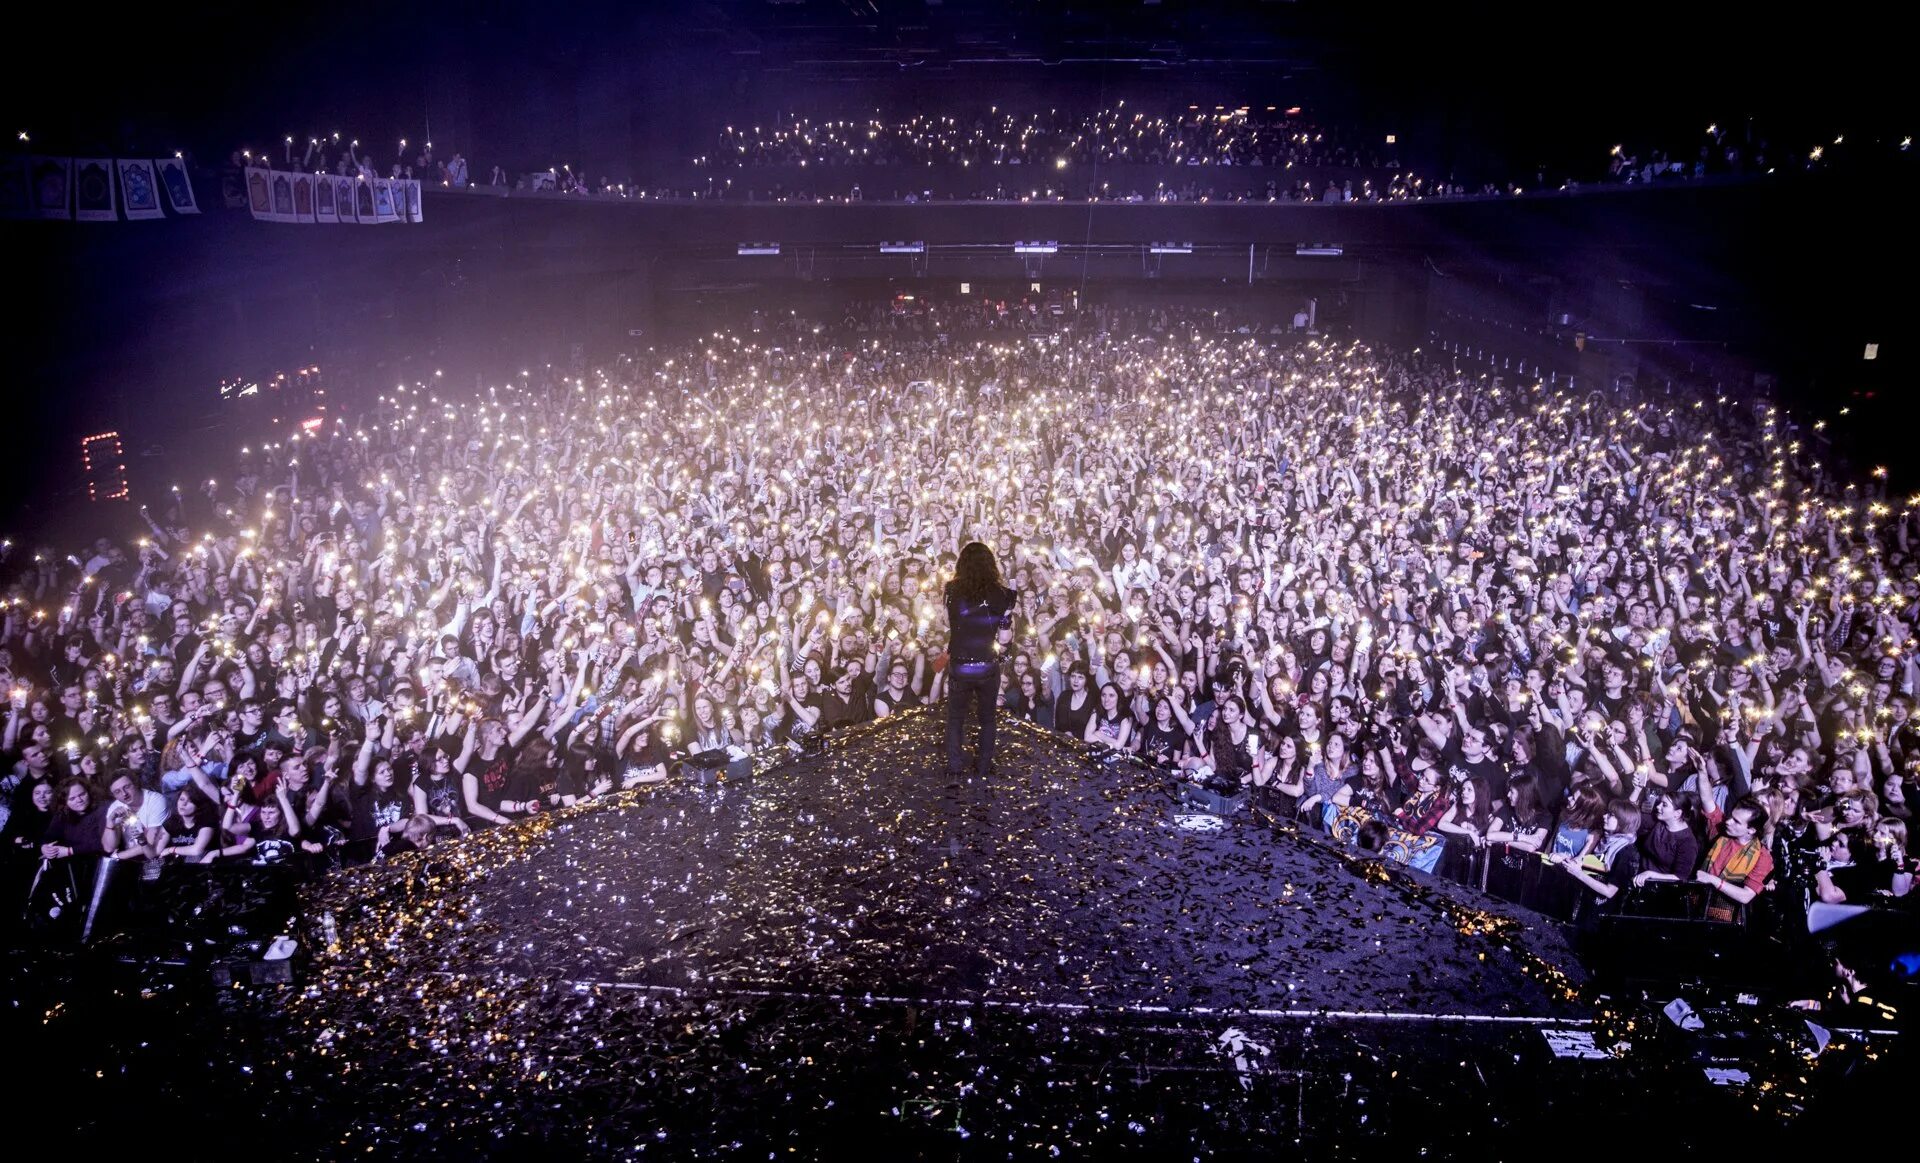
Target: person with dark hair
x=192, y=828
x=1672, y=846
x=436, y=791
x=979, y=606
x=1739, y=863
x=1466, y=826
x=1164, y=739
x=1110, y=726
x=898, y=694
x=1524, y=822
x=269, y=840
x=78, y=824
x=1611, y=866
x=1073, y=707
x=1580, y=821
x=27, y=826
x=1232, y=755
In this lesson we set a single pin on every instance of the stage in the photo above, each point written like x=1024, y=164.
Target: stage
x=846, y=950
x=854, y=933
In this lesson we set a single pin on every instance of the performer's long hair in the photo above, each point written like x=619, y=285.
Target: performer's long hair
x=976, y=576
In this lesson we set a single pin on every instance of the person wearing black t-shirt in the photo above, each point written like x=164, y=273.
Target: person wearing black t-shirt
x=436, y=790
x=1620, y=860
x=78, y=825
x=979, y=606
x=412, y=835
x=584, y=772
x=896, y=695
x=1670, y=849
x=272, y=840
x=835, y=710
x=376, y=801
x=192, y=828
x=713, y=574
x=805, y=710
x=489, y=767
x=1163, y=740
x=1468, y=757
x=254, y=727
x=1075, y=705
x=855, y=690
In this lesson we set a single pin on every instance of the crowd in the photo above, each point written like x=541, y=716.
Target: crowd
x=1228, y=137
x=823, y=188
x=807, y=160
x=332, y=155
x=1629, y=640
x=1726, y=151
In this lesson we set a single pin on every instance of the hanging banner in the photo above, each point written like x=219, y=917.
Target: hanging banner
x=93, y=199
x=52, y=179
x=383, y=207
x=176, y=183
x=282, y=187
x=233, y=186
x=363, y=202
x=259, y=194
x=323, y=199
x=413, y=200
x=139, y=188
x=303, y=198
x=13, y=188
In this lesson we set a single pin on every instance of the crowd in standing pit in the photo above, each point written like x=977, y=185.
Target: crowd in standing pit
x=1652, y=639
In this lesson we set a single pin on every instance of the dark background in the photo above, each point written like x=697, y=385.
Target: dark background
x=1476, y=90
x=1773, y=286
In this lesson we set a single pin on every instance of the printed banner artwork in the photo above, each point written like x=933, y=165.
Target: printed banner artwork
x=383, y=208
x=93, y=199
x=178, y=186
x=282, y=187
x=323, y=200
x=139, y=188
x=280, y=196
x=13, y=188
x=259, y=194
x=303, y=198
x=52, y=179
x=233, y=188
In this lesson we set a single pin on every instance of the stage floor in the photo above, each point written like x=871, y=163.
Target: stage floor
x=848, y=952
x=1056, y=884
x=852, y=928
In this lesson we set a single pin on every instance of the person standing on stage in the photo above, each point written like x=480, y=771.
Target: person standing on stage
x=979, y=606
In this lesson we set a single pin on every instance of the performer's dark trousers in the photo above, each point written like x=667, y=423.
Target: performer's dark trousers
x=972, y=682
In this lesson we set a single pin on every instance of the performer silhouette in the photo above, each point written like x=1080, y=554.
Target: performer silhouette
x=979, y=606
